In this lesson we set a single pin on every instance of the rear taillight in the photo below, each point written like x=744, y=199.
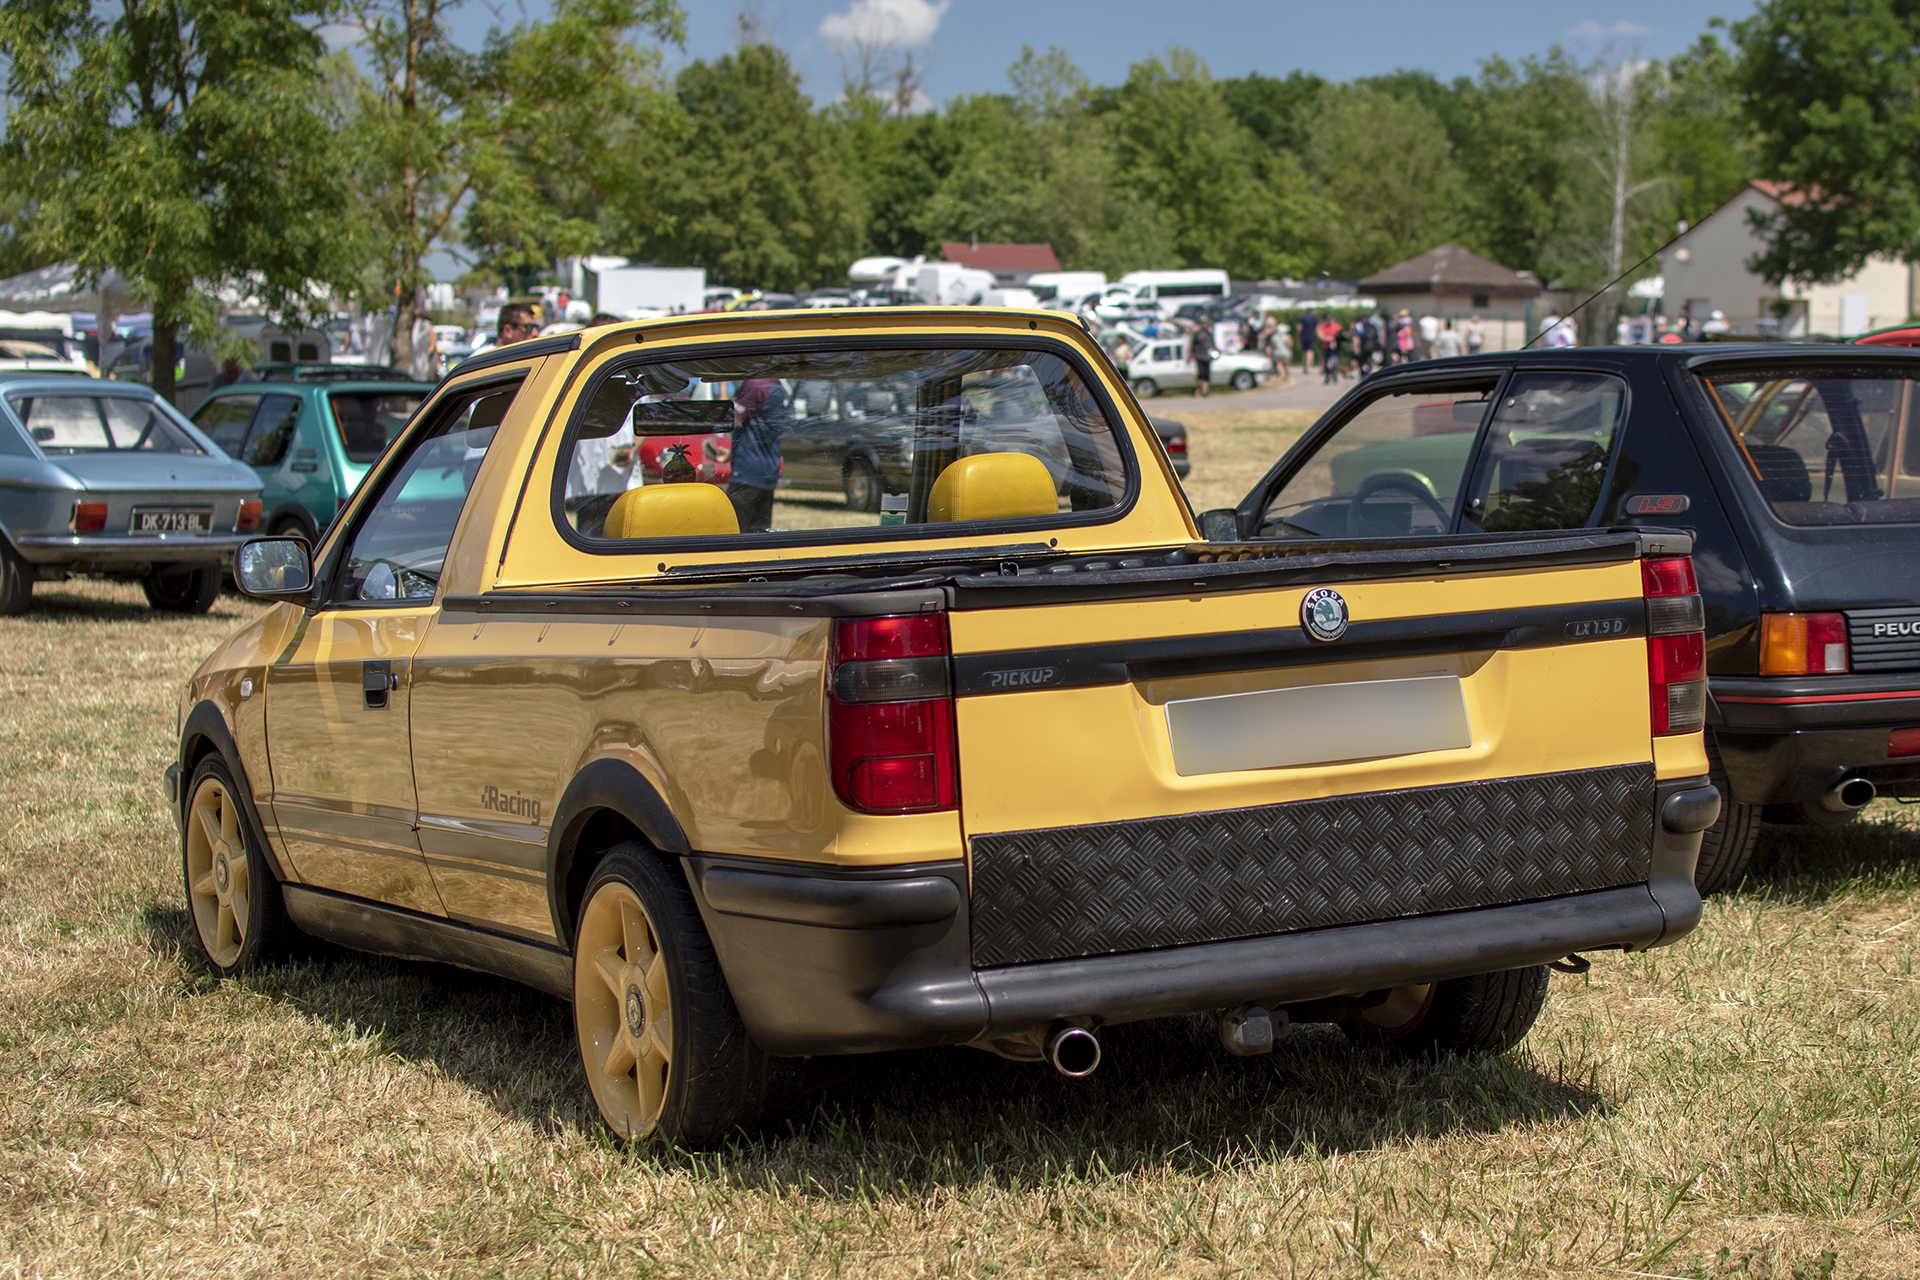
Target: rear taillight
x=1676, y=645
x=1803, y=644
x=890, y=740
x=1177, y=446
x=89, y=517
x=249, y=517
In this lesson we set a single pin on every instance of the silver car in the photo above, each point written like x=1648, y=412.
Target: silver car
x=104, y=478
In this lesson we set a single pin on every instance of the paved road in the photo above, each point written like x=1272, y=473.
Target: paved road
x=1302, y=393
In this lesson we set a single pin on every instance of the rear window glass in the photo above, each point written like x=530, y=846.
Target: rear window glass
x=88, y=424
x=1827, y=449
x=837, y=440
x=369, y=420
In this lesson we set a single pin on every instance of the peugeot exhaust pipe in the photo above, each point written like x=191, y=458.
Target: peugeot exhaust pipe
x=1073, y=1051
x=1848, y=795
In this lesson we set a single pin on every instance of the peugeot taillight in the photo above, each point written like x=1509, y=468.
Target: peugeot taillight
x=890, y=737
x=1803, y=644
x=89, y=517
x=249, y=517
x=1676, y=645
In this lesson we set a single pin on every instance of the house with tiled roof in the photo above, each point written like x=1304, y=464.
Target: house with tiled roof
x=1011, y=264
x=1705, y=270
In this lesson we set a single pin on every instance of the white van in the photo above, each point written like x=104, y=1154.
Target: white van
x=948, y=284
x=1065, y=288
x=1175, y=286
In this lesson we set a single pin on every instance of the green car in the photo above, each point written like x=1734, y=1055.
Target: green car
x=309, y=443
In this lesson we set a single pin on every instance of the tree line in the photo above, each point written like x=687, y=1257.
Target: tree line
x=202, y=145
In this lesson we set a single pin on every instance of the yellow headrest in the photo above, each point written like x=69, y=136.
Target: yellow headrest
x=993, y=486
x=687, y=510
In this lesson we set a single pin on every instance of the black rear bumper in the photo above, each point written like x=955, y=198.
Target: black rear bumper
x=1786, y=741
x=826, y=962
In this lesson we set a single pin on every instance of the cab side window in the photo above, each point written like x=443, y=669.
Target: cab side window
x=225, y=420
x=1392, y=469
x=1545, y=459
x=272, y=432
x=399, y=549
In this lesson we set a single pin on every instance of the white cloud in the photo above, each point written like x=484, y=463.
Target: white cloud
x=1595, y=32
x=896, y=23
x=338, y=35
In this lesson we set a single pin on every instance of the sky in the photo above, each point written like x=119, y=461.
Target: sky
x=967, y=45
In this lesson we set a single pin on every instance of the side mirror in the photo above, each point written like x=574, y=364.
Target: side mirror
x=274, y=569
x=1222, y=524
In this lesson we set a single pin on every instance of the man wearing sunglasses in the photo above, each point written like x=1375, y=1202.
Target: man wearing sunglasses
x=516, y=324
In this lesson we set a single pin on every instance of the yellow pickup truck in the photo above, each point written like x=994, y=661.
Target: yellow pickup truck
x=788, y=684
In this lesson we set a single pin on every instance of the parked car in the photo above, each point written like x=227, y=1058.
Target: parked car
x=1173, y=438
x=308, y=442
x=198, y=370
x=105, y=479
x=272, y=372
x=1165, y=366
x=1017, y=766
x=1797, y=471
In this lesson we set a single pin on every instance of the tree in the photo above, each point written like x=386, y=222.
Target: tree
x=186, y=144
x=1831, y=90
x=761, y=190
x=1386, y=165
x=1521, y=181
x=435, y=126
x=581, y=121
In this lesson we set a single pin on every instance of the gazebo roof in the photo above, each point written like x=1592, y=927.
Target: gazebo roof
x=1451, y=270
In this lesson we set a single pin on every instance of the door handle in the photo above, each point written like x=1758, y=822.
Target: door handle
x=377, y=679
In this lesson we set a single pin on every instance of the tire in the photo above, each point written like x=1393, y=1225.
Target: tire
x=1727, y=846
x=642, y=960
x=1243, y=380
x=192, y=591
x=862, y=485
x=16, y=582
x=1145, y=388
x=239, y=919
x=1484, y=1014
x=294, y=527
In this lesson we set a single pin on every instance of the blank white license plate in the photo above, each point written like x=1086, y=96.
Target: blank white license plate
x=173, y=519
x=1317, y=724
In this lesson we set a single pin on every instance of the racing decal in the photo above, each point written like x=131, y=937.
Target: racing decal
x=519, y=806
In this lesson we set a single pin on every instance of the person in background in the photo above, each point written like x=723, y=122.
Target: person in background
x=1429, y=330
x=1366, y=337
x=1201, y=349
x=1309, y=338
x=1329, y=337
x=1403, y=336
x=516, y=324
x=759, y=421
x=1476, y=336
x=1447, y=344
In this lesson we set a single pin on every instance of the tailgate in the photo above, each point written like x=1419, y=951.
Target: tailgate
x=1470, y=739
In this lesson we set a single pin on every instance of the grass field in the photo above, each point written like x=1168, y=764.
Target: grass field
x=1745, y=1103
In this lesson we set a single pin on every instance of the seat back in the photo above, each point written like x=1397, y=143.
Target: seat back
x=993, y=486
x=1783, y=473
x=672, y=511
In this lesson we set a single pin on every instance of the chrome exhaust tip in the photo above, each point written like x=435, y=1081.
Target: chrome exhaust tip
x=1848, y=795
x=1073, y=1051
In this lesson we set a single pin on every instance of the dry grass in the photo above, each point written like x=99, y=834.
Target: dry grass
x=1746, y=1103
x=1232, y=448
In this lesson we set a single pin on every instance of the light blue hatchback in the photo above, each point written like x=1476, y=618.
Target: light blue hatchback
x=104, y=478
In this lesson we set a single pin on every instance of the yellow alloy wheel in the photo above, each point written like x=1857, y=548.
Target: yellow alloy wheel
x=217, y=879
x=623, y=1009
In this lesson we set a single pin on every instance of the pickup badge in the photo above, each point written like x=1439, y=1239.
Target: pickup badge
x=1594, y=628
x=1023, y=678
x=1323, y=614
